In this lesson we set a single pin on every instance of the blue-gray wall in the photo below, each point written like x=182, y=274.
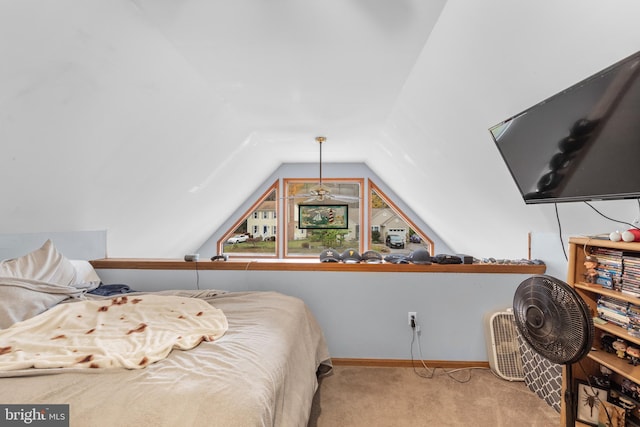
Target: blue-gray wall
x=364, y=315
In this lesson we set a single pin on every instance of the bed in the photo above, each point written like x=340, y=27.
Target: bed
x=258, y=366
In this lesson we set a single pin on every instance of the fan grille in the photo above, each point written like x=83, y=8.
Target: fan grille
x=553, y=319
x=505, y=358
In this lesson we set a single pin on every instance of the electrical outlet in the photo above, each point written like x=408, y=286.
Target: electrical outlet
x=412, y=315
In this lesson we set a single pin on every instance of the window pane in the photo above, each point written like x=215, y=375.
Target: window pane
x=309, y=242
x=391, y=232
x=255, y=235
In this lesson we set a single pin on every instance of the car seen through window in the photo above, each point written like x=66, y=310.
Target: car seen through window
x=238, y=239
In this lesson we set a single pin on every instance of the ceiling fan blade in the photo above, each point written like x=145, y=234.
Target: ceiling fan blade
x=298, y=196
x=322, y=193
x=315, y=198
x=345, y=198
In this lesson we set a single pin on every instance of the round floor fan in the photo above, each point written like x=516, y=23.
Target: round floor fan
x=556, y=322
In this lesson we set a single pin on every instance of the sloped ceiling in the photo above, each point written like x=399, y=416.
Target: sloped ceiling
x=155, y=119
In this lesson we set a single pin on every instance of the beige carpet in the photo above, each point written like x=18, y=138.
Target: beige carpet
x=373, y=397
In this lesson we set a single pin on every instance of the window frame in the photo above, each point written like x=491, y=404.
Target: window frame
x=366, y=184
x=289, y=181
x=400, y=213
x=252, y=211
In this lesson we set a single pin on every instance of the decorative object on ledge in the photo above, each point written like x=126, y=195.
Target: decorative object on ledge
x=323, y=216
x=267, y=264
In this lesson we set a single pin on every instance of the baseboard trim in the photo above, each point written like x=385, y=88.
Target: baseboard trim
x=403, y=363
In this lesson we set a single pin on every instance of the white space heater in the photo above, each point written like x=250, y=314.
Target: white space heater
x=503, y=350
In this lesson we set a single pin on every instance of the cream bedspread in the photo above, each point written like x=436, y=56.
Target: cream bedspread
x=128, y=332
x=262, y=372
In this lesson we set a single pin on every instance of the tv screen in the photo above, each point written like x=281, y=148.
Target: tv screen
x=580, y=144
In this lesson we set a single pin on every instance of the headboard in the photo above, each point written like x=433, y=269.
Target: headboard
x=81, y=245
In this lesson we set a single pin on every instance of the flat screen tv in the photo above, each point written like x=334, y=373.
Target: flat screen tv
x=581, y=144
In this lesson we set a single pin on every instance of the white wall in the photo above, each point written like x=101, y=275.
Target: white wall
x=485, y=62
x=106, y=123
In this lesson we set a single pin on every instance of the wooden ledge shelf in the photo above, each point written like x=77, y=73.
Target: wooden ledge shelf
x=310, y=265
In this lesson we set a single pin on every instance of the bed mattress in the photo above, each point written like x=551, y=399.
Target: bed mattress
x=261, y=372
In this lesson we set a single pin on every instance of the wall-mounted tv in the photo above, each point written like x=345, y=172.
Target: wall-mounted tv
x=580, y=144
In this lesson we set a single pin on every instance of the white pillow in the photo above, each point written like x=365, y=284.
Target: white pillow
x=86, y=276
x=45, y=264
x=22, y=299
x=33, y=283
